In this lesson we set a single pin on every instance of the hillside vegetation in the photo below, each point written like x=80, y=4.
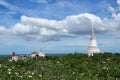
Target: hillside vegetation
x=68, y=67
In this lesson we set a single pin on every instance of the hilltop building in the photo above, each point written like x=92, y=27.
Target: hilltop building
x=14, y=57
x=93, y=47
x=40, y=54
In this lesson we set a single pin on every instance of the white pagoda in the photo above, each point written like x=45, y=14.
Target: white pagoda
x=92, y=48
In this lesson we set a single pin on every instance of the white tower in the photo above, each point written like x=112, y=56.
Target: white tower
x=92, y=48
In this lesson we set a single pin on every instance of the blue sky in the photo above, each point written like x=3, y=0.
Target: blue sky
x=58, y=26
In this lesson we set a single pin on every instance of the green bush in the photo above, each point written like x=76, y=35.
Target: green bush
x=104, y=66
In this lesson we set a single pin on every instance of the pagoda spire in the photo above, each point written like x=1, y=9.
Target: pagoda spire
x=92, y=29
x=92, y=48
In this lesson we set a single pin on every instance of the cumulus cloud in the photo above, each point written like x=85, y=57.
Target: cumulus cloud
x=81, y=24
x=53, y=30
x=39, y=28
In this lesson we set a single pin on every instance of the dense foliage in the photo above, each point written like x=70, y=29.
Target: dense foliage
x=68, y=67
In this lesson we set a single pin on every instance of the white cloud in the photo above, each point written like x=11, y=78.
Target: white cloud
x=112, y=10
x=39, y=28
x=118, y=2
x=40, y=22
x=114, y=25
x=46, y=30
x=6, y=4
x=12, y=9
x=81, y=24
x=2, y=30
x=53, y=30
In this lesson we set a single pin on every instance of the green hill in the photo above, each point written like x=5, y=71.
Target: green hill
x=68, y=67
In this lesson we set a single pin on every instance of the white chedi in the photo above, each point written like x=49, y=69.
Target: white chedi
x=93, y=47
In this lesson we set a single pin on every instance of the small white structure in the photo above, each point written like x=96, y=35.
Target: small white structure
x=14, y=58
x=92, y=48
x=34, y=54
x=41, y=54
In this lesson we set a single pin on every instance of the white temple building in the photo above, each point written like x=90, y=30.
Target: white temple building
x=93, y=47
x=40, y=54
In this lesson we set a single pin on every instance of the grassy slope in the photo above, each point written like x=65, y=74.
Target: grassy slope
x=67, y=67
